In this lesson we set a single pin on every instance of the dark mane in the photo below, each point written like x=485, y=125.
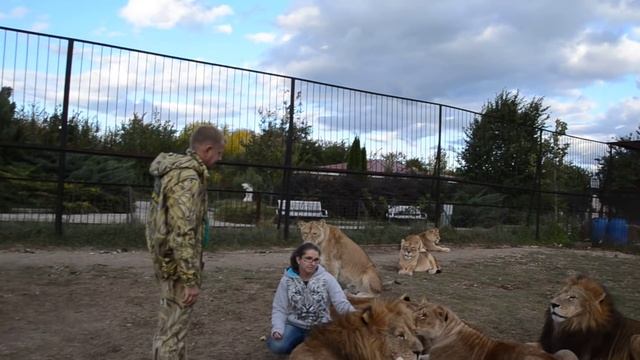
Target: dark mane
x=593, y=342
x=596, y=342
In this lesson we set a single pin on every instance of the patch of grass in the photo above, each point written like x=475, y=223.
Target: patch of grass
x=74, y=235
x=266, y=235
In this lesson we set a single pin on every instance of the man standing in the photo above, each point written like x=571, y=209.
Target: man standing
x=176, y=230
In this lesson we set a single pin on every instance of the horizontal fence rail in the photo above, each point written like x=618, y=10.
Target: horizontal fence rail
x=82, y=120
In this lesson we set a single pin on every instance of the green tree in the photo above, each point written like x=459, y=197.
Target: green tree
x=502, y=145
x=269, y=145
x=357, y=157
x=7, y=112
x=139, y=137
x=620, y=179
x=559, y=175
x=392, y=159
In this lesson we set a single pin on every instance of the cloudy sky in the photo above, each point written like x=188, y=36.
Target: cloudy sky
x=582, y=56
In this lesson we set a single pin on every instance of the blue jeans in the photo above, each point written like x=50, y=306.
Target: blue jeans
x=292, y=336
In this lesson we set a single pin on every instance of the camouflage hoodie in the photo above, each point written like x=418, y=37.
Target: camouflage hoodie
x=175, y=226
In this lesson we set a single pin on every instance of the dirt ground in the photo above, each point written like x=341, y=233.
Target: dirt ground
x=101, y=304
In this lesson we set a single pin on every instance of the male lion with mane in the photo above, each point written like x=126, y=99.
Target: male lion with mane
x=342, y=257
x=414, y=258
x=451, y=338
x=583, y=319
x=381, y=330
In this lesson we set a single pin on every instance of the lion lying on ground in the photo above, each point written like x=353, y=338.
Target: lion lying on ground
x=414, y=258
x=342, y=257
x=381, y=330
x=452, y=339
x=583, y=319
x=431, y=239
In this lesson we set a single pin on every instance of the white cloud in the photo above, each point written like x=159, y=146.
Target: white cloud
x=103, y=31
x=302, y=17
x=262, y=37
x=39, y=26
x=625, y=115
x=166, y=14
x=15, y=13
x=604, y=59
x=464, y=52
x=225, y=29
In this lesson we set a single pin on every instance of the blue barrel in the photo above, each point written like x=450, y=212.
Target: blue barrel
x=617, y=232
x=598, y=230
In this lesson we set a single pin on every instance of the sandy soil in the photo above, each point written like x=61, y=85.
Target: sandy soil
x=101, y=304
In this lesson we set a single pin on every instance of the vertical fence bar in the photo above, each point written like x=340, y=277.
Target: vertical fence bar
x=438, y=165
x=539, y=185
x=609, y=181
x=63, y=140
x=286, y=179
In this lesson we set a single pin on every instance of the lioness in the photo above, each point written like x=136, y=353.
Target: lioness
x=382, y=330
x=413, y=257
x=431, y=239
x=582, y=318
x=342, y=257
x=452, y=339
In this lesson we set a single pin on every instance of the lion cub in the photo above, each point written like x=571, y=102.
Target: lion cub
x=414, y=258
x=342, y=257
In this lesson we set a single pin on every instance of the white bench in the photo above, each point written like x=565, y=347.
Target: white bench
x=405, y=212
x=302, y=209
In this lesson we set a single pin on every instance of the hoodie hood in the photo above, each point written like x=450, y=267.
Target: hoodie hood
x=166, y=162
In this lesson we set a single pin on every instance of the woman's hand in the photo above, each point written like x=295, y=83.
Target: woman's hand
x=276, y=335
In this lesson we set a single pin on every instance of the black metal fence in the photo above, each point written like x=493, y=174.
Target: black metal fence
x=82, y=120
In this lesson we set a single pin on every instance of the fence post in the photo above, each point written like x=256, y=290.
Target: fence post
x=258, y=207
x=132, y=205
x=63, y=140
x=539, y=185
x=438, y=165
x=286, y=178
x=606, y=188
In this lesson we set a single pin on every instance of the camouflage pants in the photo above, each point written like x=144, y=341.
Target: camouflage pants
x=173, y=323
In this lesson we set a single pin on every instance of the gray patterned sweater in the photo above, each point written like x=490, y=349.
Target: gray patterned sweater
x=306, y=305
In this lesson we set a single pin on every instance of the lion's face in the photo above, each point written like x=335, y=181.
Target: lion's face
x=580, y=304
x=410, y=247
x=432, y=235
x=431, y=320
x=568, y=304
x=313, y=231
x=400, y=331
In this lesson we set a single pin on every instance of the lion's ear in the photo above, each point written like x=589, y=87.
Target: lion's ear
x=322, y=221
x=367, y=315
x=301, y=224
x=442, y=313
x=405, y=297
x=401, y=242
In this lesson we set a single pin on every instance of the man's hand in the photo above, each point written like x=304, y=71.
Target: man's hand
x=190, y=295
x=276, y=335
